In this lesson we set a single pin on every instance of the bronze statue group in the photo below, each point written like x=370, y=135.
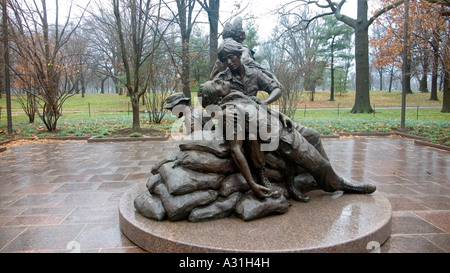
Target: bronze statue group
x=270, y=158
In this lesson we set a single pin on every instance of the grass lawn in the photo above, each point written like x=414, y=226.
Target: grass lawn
x=378, y=99
x=113, y=102
x=107, y=124
x=106, y=115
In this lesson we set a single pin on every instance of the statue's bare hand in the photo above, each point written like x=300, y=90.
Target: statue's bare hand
x=287, y=122
x=264, y=192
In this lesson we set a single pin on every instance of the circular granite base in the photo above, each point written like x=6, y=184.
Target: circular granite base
x=329, y=223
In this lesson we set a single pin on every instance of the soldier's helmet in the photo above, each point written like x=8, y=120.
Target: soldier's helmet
x=175, y=99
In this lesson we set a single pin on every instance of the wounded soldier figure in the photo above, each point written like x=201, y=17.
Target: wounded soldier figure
x=252, y=130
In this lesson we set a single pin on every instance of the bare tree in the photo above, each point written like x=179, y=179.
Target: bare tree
x=6, y=82
x=164, y=82
x=291, y=95
x=446, y=67
x=300, y=45
x=212, y=9
x=83, y=60
x=444, y=55
x=104, y=43
x=25, y=89
x=41, y=44
x=185, y=17
x=137, y=24
x=278, y=57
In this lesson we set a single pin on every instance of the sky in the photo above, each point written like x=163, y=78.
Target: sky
x=262, y=10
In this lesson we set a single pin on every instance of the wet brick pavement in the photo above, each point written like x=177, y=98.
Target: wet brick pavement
x=63, y=196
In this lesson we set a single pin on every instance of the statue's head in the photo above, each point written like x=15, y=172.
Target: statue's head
x=229, y=46
x=211, y=91
x=234, y=30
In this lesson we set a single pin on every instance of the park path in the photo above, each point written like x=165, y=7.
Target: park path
x=63, y=196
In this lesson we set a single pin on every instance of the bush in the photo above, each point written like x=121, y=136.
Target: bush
x=135, y=134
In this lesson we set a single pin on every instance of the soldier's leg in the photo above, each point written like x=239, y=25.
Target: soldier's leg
x=314, y=138
x=257, y=160
x=301, y=152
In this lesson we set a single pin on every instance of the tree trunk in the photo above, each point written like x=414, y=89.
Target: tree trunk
x=185, y=74
x=347, y=68
x=424, y=80
x=83, y=87
x=77, y=87
x=407, y=75
x=135, y=107
x=1, y=83
x=446, y=99
x=51, y=112
x=117, y=87
x=184, y=13
x=332, y=71
x=391, y=79
x=362, y=100
x=213, y=15
x=381, y=78
x=435, y=70
x=406, y=68
x=102, y=88
x=423, y=84
x=6, y=83
x=2, y=73
x=434, y=83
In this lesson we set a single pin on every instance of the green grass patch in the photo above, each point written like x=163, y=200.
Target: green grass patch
x=135, y=134
x=69, y=125
x=98, y=102
x=410, y=114
x=437, y=131
x=378, y=99
x=115, y=103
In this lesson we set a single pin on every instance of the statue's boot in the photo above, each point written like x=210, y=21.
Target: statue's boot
x=263, y=180
x=349, y=187
x=295, y=193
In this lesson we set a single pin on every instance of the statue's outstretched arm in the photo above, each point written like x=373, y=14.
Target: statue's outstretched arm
x=273, y=97
x=239, y=158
